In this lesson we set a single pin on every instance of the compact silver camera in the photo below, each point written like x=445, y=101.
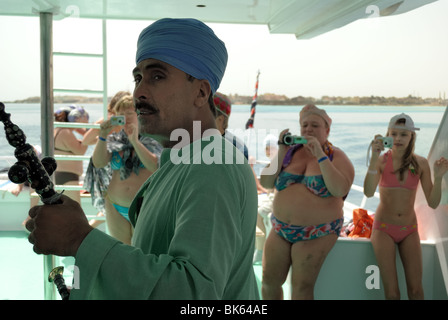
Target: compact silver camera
x=388, y=142
x=117, y=120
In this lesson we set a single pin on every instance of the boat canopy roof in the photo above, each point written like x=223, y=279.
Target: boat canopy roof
x=304, y=18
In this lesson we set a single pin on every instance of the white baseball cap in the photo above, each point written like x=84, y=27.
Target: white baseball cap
x=407, y=125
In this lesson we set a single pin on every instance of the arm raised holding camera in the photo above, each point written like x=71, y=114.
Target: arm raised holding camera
x=338, y=174
x=374, y=171
x=101, y=157
x=149, y=159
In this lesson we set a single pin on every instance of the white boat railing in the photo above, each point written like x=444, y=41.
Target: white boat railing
x=12, y=159
x=364, y=199
x=76, y=125
x=58, y=157
x=71, y=157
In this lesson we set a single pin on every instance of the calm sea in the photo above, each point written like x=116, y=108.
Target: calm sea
x=352, y=130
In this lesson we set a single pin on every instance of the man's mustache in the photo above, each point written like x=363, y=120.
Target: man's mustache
x=144, y=107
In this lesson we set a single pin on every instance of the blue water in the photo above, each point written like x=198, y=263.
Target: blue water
x=352, y=130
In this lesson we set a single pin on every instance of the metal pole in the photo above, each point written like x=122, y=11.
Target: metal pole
x=46, y=76
x=104, y=69
x=46, y=106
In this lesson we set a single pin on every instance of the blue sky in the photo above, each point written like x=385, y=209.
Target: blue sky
x=393, y=56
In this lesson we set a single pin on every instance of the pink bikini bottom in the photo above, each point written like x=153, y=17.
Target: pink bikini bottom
x=397, y=233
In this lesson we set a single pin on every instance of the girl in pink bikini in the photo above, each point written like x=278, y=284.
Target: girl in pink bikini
x=398, y=173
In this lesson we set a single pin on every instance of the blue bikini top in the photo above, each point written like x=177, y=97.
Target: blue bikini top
x=116, y=162
x=315, y=184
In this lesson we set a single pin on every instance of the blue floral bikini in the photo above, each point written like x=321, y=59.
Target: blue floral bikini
x=97, y=180
x=314, y=184
x=293, y=234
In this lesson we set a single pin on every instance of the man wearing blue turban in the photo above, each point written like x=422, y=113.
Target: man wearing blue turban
x=186, y=44
x=165, y=49
x=194, y=219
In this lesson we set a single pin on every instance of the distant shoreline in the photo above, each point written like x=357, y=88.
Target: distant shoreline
x=280, y=100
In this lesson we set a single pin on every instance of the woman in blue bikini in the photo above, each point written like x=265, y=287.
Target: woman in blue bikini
x=311, y=182
x=132, y=159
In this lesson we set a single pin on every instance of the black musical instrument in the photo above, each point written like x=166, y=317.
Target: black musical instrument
x=37, y=172
x=56, y=277
x=29, y=167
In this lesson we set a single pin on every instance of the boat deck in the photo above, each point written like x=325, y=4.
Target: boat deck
x=21, y=270
x=343, y=276
x=346, y=273
x=21, y=275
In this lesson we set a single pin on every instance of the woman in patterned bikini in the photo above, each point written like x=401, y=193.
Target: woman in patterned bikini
x=132, y=157
x=398, y=173
x=311, y=182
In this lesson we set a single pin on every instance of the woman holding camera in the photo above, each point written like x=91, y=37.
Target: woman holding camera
x=398, y=173
x=132, y=159
x=311, y=182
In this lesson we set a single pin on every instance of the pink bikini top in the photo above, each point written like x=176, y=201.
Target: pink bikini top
x=389, y=178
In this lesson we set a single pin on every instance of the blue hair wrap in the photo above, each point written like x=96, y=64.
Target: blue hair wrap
x=186, y=44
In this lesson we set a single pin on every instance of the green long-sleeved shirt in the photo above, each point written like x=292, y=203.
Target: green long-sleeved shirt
x=194, y=233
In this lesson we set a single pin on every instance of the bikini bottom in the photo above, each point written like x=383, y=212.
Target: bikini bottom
x=124, y=211
x=396, y=232
x=62, y=177
x=292, y=233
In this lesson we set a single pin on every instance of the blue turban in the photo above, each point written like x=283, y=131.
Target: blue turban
x=187, y=44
